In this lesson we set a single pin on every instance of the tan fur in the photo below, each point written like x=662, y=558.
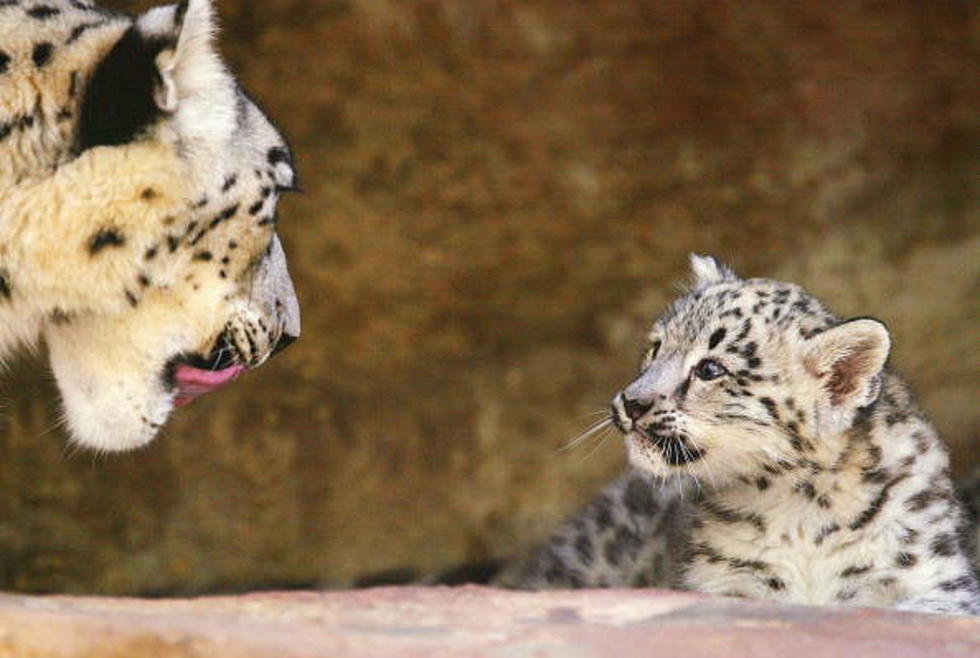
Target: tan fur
x=125, y=257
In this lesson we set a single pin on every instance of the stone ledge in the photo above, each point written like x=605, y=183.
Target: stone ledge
x=467, y=621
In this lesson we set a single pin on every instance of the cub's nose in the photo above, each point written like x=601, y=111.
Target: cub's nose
x=635, y=409
x=626, y=411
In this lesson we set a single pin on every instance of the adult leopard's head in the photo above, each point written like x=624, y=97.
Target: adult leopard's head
x=744, y=376
x=187, y=172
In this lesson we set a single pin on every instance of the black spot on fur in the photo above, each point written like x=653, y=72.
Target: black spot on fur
x=806, y=488
x=716, y=337
x=706, y=551
x=119, y=102
x=6, y=292
x=4, y=62
x=752, y=565
x=150, y=254
x=601, y=513
x=762, y=483
x=909, y=536
x=905, y=560
x=149, y=194
x=872, y=510
x=203, y=256
x=42, y=54
x=728, y=515
x=59, y=318
x=277, y=155
x=681, y=391
x=775, y=584
x=584, y=550
x=638, y=498
x=613, y=553
x=944, y=544
x=825, y=532
x=224, y=215
x=79, y=30
x=850, y=572
x=229, y=183
x=921, y=500
x=963, y=582
x=43, y=12
x=627, y=540
x=105, y=238
x=876, y=476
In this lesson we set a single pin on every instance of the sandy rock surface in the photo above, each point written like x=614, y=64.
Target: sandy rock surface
x=470, y=621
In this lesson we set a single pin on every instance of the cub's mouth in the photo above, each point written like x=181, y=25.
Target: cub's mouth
x=191, y=375
x=676, y=448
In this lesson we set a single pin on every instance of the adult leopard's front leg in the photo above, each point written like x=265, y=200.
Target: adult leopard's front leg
x=628, y=536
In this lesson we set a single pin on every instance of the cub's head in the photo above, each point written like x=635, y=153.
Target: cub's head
x=193, y=284
x=743, y=374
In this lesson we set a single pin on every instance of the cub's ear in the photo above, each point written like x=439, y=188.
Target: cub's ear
x=848, y=360
x=708, y=270
x=183, y=35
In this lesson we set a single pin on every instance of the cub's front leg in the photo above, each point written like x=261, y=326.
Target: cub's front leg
x=630, y=535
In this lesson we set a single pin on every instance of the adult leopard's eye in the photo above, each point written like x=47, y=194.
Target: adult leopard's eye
x=649, y=356
x=709, y=369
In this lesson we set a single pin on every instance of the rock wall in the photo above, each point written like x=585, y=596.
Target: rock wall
x=499, y=197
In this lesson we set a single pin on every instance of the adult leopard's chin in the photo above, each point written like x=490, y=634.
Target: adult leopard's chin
x=114, y=394
x=112, y=370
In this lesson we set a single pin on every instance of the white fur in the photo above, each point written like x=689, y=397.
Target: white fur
x=818, y=480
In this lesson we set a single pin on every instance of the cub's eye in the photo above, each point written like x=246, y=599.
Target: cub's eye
x=649, y=355
x=709, y=369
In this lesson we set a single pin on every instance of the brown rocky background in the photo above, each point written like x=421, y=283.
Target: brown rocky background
x=499, y=196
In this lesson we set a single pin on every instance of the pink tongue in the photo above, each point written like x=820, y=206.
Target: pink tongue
x=192, y=382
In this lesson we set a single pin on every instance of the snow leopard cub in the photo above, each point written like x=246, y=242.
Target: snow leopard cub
x=811, y=476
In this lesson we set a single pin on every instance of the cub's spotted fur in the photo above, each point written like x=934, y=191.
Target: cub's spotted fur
x=138, y=193
x=818, y=479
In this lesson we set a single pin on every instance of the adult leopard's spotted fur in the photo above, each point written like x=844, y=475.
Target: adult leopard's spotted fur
x=138, y=194
x=773, y=456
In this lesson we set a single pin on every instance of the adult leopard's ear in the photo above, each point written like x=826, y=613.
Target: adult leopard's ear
x=848, y=360
x=708, y=270
x=166, y=57
x=185, y=60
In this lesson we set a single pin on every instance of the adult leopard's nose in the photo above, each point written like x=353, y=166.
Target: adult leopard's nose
x=284, y=341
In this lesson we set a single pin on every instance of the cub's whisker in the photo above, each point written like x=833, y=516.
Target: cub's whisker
x=589, y=433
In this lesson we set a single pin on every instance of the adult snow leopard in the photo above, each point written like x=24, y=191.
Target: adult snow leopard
x=819, y=480
x=138, y=194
